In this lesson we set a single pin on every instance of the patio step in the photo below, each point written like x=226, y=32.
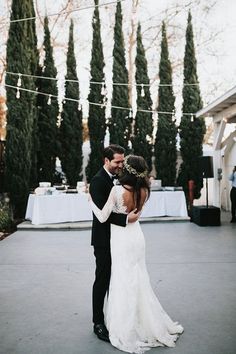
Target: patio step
x=86, y=225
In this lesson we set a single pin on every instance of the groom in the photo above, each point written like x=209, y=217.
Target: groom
x=100, y=187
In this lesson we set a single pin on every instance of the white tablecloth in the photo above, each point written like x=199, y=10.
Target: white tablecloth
x=49, y=209
x=165, y=204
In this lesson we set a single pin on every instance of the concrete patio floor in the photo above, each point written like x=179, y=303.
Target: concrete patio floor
x=46, y=279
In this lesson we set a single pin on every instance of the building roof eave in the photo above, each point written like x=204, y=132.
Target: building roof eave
x=218, y=105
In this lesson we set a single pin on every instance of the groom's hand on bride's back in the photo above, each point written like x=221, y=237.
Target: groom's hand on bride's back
x=133, y=215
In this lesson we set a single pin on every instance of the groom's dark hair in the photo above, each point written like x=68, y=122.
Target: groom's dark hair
x=112, y=149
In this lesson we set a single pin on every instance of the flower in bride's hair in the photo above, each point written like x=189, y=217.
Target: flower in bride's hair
x=132, y=170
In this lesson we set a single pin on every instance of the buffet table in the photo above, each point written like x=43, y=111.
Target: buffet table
x=165, y=203
x=50, y=209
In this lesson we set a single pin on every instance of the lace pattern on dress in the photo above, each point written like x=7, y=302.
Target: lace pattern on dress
x=119, y=206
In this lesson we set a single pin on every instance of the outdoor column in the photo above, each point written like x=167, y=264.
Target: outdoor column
x=219, y=127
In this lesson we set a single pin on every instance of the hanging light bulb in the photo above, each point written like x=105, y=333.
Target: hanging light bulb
x=18, y=93
x=130, y=113
x=192, y=118
x=142, y=91
x=19, y=81
x=103, y=89
x=173, y=116
x=49, y=100
x=79, y=107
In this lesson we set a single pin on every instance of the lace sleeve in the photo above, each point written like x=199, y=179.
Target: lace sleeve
x=104, y=214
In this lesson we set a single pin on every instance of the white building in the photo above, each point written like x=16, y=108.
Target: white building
x=223, y=114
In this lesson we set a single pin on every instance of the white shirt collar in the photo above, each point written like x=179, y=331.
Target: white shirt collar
x=109, y=173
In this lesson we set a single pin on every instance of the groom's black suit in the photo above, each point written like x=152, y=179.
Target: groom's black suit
x=100, y=188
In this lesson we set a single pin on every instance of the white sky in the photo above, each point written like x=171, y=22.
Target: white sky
x=216, y=72
x=216, y=60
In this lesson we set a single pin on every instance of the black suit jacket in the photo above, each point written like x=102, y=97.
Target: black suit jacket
x=100, y=187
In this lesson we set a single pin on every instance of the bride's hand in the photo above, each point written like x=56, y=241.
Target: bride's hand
x=133, y=215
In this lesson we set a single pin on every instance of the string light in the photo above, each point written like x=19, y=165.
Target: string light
x=18, y=93
x=100, y=82
x=103, y=89
x=130, y=113
x=19, y=80
x=49, y=100
x=173, y=116
x=94, y=103
x=142, y=92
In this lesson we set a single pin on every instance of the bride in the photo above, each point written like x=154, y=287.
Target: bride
x=134, y=317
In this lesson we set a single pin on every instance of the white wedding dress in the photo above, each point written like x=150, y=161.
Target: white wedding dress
x=134, y=317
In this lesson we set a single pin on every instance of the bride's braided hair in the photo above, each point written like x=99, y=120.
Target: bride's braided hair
x=135, y=174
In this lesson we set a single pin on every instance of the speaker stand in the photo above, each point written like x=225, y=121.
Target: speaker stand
x=206, y=215
x=207, y=192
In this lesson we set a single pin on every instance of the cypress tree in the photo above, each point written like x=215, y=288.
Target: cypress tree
x=143, y=127
x=96, y=118
x=165, y=143
x=192, y=130
x=47, y=114
x=71, y=125
x=34, y=70
x=20, y=110
x=121, y=120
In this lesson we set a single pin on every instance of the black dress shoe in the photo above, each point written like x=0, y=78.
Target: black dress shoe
x=101, y=331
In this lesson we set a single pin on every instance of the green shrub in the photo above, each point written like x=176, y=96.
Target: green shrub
x=6, y=221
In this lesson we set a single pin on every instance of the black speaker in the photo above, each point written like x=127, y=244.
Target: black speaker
x=206, y=216
x=206, y=166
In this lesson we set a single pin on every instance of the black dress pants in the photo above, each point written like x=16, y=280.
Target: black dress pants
x=233, y=202
x=101, y=283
